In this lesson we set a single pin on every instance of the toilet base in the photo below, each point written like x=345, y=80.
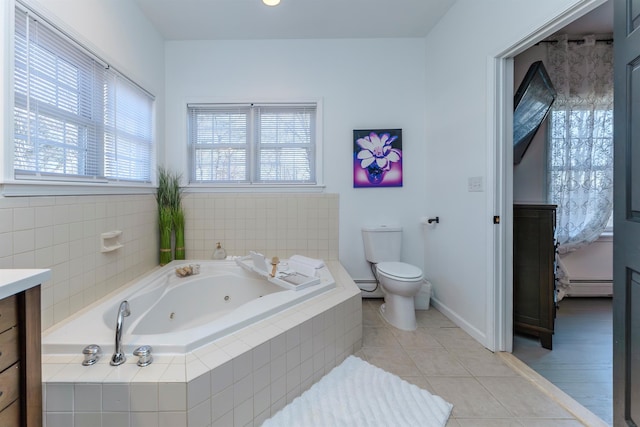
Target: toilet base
x=399, y=312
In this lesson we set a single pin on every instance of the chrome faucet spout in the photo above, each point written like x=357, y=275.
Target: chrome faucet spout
x=118, y=357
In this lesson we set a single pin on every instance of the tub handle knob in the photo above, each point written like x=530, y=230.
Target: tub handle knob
x=144, y=354
x=92, y=353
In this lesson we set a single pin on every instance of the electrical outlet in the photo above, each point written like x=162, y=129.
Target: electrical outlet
x=475, y=184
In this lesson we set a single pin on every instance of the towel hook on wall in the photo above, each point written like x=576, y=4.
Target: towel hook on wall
x=436, y=220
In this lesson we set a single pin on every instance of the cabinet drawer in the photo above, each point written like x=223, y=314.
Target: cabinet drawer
x=8, y=312
x=10, y=416
x=9, y=385
x=9, y=348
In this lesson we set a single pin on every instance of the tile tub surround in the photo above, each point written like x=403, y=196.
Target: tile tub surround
x=62, y=233
x=281, y=224
x=241, y=379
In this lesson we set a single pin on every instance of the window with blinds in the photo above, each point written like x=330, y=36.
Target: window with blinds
x=75, y=118
x=252, y=144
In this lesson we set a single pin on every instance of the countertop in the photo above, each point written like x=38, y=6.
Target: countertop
x=13, y=281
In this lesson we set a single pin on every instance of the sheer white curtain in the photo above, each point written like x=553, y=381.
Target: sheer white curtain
x=580, y=165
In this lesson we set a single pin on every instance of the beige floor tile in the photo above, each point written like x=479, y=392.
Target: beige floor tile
x=420, y=382
x=444, y=360
x=420, y=338
x=437, y=362
x=378, y=337
x=452, y=422
x=482, y=362
x=464, y=422
x=372, y=318
x=394, y=360
x=455, y=338
x=360, y=354
x=550, y=423
x=469, y=398
x=432, y=318
x=523, y=399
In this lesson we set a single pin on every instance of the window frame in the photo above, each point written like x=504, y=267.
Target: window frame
x=15, y=183
x=200, y=187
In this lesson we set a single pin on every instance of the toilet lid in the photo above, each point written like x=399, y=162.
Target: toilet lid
x=399, y=269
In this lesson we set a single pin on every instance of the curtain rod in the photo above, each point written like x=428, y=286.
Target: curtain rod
x=578, y=41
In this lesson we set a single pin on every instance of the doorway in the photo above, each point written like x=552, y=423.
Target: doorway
x=560, y=365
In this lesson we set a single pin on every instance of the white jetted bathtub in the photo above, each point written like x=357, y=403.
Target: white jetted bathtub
x=176, y=315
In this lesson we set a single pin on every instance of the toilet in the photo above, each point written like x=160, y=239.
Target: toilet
x=400, y=281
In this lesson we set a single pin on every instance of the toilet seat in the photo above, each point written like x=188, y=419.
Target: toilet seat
x=399, y=271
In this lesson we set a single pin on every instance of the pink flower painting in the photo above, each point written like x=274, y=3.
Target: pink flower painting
x=377, y=158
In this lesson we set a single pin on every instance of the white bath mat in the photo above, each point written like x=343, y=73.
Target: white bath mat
x=356, y=393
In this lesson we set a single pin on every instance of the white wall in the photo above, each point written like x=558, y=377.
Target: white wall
x=362, y=84
x=459, y=252
x=63, y=233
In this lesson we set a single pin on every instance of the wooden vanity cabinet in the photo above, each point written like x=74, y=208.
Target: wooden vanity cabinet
x=534, y=251
x=20, y=367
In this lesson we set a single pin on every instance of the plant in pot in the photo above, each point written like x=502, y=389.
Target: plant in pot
x=170, y=215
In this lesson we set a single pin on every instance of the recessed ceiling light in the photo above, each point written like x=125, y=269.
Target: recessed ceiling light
x=271, y=2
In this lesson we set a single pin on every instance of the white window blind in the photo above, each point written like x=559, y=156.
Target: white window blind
x=75, y=117
x=252, y=144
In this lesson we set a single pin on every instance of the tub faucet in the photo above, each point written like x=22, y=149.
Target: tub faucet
x=118, y=357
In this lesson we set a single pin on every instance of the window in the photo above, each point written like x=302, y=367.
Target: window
x=75, y=118
x=252, y=144
x=581, y=171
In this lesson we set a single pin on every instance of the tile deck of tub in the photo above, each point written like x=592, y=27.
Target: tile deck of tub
x=241, y=379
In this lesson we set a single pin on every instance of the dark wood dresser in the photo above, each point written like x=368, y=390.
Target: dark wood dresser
x=20, y=357
x=534, y=250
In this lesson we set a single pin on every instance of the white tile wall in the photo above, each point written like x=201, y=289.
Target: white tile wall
x=275, y=224
x=62, y=233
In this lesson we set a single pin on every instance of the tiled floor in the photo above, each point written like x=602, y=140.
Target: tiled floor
x=443, y=359
x=581, y=362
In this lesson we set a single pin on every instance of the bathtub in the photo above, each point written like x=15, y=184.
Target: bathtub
x=176, y=315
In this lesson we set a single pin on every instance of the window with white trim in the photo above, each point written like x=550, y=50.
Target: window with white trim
x=252, y=143
x=75, y=117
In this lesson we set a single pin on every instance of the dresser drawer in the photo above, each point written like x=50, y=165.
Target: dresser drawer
x=10, y=416
x=9, y=348
x=9, y=385
x=8, y=312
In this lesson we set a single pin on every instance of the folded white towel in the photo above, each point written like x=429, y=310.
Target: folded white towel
x=309, y=262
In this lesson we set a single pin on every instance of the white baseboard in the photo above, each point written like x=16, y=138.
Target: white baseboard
x=590, y=288
x=461, y=323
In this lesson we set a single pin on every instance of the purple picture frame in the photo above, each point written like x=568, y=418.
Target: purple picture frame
x=377, y=158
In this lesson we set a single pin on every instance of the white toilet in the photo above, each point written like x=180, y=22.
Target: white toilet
x=400, y=281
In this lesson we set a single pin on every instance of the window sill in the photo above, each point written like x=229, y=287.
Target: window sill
x=254, y=188
x=43, y=188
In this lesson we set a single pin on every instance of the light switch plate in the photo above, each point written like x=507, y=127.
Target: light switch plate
x=475, y=184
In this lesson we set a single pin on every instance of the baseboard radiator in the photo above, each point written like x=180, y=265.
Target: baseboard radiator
x=590, y=288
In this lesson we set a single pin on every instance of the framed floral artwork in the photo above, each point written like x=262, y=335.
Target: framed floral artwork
x=377, y=158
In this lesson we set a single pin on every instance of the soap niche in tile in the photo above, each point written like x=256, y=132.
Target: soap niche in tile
x=110, y=241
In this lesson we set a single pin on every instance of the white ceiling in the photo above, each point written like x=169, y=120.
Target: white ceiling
x=598, y=21
x=293, y=19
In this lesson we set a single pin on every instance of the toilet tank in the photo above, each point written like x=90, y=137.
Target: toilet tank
x=382, y=243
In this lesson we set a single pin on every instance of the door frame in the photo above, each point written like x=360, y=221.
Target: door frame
x=500, y=91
